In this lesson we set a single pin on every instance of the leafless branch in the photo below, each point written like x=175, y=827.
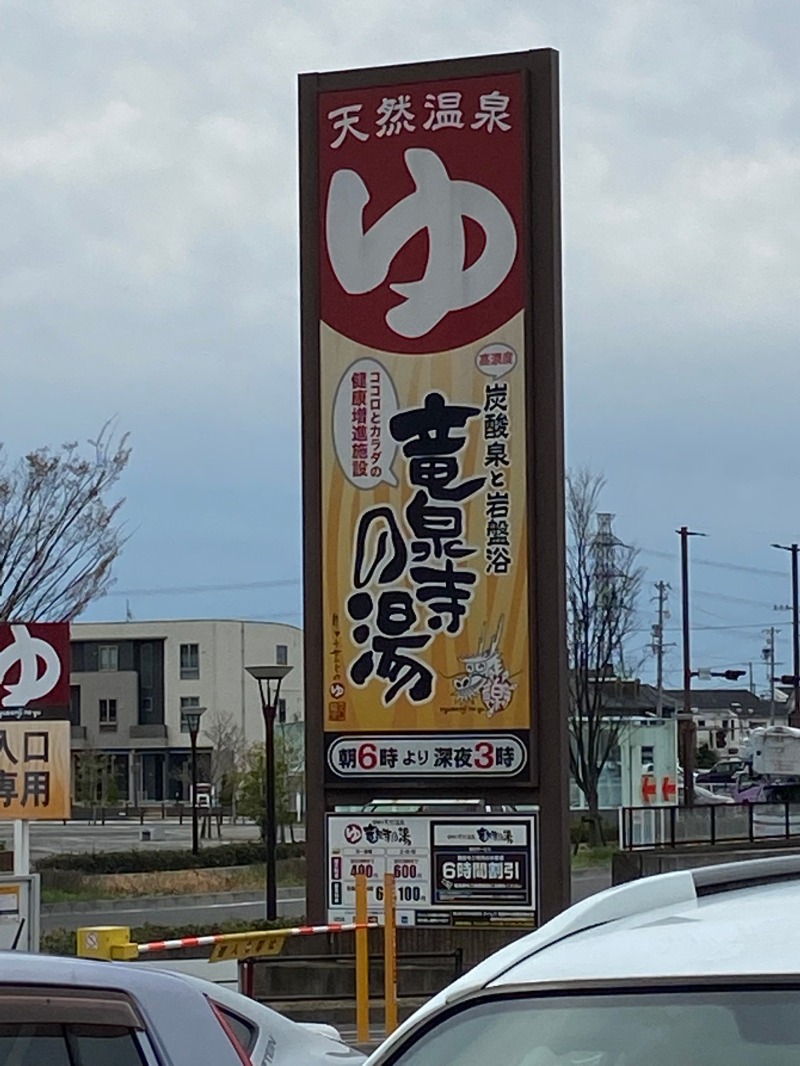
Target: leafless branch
x=603, y=583
x=59, y=535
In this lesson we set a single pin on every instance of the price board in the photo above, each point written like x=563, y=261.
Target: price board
x=460, y=869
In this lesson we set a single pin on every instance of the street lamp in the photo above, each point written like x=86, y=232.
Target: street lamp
x=190, y=723
x=794, y=717
x=269, y=680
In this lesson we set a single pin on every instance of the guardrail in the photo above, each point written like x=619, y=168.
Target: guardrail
x=114, y=943
x=653, y=827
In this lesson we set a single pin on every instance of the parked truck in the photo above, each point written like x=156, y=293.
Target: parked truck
x=772, y=766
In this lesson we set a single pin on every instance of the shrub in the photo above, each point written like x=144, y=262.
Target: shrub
x=137, y=860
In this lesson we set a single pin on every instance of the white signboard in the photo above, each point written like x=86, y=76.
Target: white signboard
x=19, y=912
x=438, y=755
x=448, y=869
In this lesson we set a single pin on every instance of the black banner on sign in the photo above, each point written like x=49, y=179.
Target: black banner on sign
x=499, y=877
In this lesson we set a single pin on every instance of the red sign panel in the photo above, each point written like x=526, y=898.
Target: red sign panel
x=423, y=202
x=34, y=665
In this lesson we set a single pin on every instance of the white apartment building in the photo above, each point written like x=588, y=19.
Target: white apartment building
x=130, y=681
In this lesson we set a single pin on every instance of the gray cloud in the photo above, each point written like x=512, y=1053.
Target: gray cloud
x=148, y=161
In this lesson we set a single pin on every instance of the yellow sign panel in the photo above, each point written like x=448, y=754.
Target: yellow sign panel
x=425, y=539
x=247, y=947
x=34, y=770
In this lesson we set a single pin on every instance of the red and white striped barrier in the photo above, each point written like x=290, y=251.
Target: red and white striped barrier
x=222, y=938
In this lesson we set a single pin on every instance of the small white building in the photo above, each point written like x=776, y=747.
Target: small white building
x=130, y=681
x=642, y=767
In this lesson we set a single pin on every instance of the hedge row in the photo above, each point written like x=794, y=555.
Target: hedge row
x=64, y=941
x=137, y=860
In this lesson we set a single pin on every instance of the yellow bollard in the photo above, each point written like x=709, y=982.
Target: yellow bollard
x=362, y=961
x=389, y=955
x=106, y=942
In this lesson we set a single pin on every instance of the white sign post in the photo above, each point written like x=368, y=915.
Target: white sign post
x=22, y=847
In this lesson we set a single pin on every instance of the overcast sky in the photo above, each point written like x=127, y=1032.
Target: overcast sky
x=149, y=271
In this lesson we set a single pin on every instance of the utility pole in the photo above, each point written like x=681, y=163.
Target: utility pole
x=657, y=646
x=794, y=717
x=768, y=654
x=686, y=726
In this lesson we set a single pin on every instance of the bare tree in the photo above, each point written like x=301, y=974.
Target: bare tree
x=227, y=754
x=59, y=535
x=603, y=584
x=95, y=781
x=289, y=778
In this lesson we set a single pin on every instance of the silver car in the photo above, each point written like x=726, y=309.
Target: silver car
x=78, y=1012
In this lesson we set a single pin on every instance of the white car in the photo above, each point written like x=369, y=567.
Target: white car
x=692, y=968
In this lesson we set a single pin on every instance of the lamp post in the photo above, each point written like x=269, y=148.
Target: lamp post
x=190, y=723
x=269, y=680
x=794, y=717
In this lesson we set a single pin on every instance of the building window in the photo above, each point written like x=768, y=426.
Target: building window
x=146, y=665
x=108, y=657
x=281, y=711
x=282, y=654
x=187, y=702
x=75, y=704
x=190, y=662
x=108, y=714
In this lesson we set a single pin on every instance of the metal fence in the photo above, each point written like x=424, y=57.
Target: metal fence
x=653, y=827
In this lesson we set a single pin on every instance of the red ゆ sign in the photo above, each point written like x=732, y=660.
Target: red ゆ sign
x=34, y=665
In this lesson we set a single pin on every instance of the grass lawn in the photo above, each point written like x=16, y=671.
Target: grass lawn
x=587, y=857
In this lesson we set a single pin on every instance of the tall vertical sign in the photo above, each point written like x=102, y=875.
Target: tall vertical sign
x=432, y=431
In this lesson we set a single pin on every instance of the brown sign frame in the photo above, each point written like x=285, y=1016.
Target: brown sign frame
x=547, y=783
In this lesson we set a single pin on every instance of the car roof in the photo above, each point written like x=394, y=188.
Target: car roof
x=716, y=921
x=33, y=969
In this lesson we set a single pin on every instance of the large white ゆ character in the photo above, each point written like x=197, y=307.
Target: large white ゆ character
x=27, y=651
x=361, y=259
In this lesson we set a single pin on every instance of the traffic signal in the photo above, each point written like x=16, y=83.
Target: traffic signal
x=733, y=675
x=787, y=679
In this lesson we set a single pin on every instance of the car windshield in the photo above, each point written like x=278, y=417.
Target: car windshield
x=733, y=1027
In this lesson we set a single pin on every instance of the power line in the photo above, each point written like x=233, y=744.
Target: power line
x=760, y=570
x=184, y=590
